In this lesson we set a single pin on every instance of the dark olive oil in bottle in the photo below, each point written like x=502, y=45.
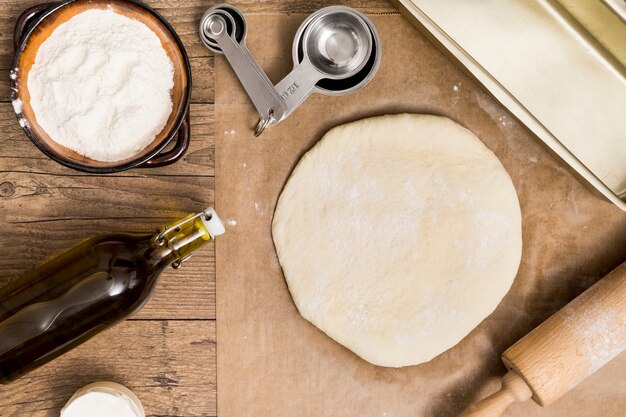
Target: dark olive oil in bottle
x=89, y=288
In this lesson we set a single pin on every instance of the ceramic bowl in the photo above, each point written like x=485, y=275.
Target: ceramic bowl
x=33, y=28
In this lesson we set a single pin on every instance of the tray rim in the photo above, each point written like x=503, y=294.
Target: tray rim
x=435, y=34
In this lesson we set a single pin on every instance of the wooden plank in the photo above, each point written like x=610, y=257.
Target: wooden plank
x=170, y=365
x=290, y=7
x=47, y=208
x=172, y=8
x=35, y=197
x=186, y=293
x=18, y=154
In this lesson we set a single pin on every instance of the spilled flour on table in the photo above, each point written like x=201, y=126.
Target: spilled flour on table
x=17, y=106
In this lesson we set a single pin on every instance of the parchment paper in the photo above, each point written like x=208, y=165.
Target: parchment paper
x=271, y=362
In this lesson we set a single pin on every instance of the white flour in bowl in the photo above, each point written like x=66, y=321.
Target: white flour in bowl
x=100, y=85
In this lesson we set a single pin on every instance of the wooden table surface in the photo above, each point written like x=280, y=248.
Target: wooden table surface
x=166, y=353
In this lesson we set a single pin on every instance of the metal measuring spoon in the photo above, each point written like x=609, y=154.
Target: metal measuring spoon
x=341, y=87
x=218, y=29
x=336, y=44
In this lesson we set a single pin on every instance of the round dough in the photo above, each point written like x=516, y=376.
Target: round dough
x=398, y=235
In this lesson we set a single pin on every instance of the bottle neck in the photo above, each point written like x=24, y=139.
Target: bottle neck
x=179, y=241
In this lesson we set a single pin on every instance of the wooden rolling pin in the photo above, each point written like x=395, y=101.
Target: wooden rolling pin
x=565, y=349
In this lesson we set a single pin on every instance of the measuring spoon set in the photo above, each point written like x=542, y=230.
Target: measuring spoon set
x=336, y=51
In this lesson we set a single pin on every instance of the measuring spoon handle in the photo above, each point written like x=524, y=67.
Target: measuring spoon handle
x=257, y=85
x=297, y=85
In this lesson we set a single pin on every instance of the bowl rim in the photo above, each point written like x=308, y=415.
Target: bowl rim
x=135, y=162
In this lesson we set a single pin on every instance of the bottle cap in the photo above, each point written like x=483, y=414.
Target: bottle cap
x=212, y=222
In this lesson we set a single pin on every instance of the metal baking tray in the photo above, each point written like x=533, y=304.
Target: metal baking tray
x=558, y=65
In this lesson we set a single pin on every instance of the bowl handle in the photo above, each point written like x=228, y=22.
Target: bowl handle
x=173, y=155
x=25, y=20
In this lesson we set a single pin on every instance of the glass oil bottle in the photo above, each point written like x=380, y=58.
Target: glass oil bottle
x=89, y=288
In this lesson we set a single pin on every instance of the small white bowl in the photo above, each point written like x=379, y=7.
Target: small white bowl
x=109, y=388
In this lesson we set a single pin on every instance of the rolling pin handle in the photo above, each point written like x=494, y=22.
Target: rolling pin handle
x=514, y=389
